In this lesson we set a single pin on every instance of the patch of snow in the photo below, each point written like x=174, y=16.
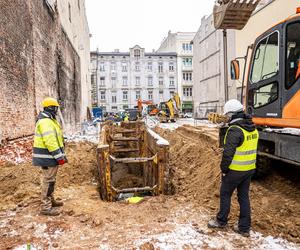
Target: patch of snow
x=160, y=140
x=271, y=243
x=185, y=235
x=25, y=247
x=88, y=133
x=292, y=131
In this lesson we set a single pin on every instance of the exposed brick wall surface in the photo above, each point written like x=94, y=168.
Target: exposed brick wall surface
x=16, y=70
x=36, y=60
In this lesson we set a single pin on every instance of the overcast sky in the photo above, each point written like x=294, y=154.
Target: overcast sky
x=121, y=24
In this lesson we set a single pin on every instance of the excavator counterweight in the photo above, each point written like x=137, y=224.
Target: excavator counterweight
x=233, y=14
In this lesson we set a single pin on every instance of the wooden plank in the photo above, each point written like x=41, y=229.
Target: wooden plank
x=124, y=138
x=125, y=150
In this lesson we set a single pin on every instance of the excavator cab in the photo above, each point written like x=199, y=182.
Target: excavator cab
x=233, y=14
x=273, y=85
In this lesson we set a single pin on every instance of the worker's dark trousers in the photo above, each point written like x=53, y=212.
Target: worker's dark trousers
x=241, y=181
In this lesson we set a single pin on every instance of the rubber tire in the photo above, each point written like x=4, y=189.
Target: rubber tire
x=263, y=167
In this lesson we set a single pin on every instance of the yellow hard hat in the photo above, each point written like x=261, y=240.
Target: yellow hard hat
x=48, y=101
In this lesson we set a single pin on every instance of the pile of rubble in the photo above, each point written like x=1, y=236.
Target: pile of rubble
x=16, y=151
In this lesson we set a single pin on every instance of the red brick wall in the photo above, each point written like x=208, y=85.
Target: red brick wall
x=36, y=60
x=16, y=70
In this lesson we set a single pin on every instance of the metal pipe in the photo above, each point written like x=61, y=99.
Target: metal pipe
x=135, y=190
x=225, y=65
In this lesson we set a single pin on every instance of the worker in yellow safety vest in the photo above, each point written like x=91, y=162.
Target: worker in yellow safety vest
x=48, y=153
x=126, y=117
x=238, y=166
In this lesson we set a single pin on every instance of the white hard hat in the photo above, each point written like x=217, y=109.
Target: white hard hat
x=233, y=106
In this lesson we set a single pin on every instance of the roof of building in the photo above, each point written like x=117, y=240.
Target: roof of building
x=128, y=54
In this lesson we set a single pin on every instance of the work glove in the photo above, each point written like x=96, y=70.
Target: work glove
x=61, y=161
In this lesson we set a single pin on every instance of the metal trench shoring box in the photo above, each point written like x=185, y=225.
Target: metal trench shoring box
x=132, y=159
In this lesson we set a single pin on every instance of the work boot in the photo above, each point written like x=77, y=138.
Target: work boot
x=56, y=203
x=213, y=223
x=50, y=212
x=242, y=233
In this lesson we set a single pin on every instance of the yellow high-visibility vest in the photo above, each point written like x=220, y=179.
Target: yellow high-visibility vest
x=245, y=155
x=48, y=145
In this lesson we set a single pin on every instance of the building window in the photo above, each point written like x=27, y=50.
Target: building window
x=187, y=62
x=114, y=98
x=161, y=95
x=149, y=67
x=70, y=14
x=187, y=47
x=187, y=76
x=150, y=95
x=172, y=93
x=125, y=106
x=102, y=81
x=102, y=66
x=125, y=95
x=138, y=94
x=102, y=95
x=93, y=79
x=124, y=67
x=113, y=81
x=137, y=53
x=137, y=81
x=160, y=67
x=114, y=108
x=113, y=66
x=172, y=82
x=137, y=66
x=188, y=92
x=125, y=81
x=160, y=81
x=171, y=66
x=150, y=81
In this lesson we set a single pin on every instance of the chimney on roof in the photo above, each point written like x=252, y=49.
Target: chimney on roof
x=117, y=50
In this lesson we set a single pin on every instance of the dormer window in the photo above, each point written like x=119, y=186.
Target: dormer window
x=137, y=53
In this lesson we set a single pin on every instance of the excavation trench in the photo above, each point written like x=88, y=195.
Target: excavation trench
x=132, y=161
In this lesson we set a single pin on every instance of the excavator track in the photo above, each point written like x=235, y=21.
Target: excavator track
x=233, y=14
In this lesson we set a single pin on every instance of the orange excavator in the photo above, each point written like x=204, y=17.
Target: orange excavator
x=152, y=110
x=272, y=92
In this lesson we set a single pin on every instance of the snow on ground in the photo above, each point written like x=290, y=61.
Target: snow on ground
x=153, y=122
x=88, y=133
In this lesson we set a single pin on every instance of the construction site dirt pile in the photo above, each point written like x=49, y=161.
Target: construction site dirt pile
x=195, y=159
x=21, y=183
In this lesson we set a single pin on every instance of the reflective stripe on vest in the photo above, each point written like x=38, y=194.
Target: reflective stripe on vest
x=245, y=155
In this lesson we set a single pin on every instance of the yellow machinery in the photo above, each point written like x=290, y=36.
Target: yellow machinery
x=169, y=110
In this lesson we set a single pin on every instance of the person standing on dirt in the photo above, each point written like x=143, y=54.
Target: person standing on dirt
x=48, y=153
x=238, y=166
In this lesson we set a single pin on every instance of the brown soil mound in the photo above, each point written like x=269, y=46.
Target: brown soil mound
x=194, y=162
x=21, y=183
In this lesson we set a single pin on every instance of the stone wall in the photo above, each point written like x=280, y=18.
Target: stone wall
x=36, y=60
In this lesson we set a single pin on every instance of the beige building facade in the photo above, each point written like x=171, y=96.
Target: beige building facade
x=208, y=68
x=180, y=43
x=74, y=22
